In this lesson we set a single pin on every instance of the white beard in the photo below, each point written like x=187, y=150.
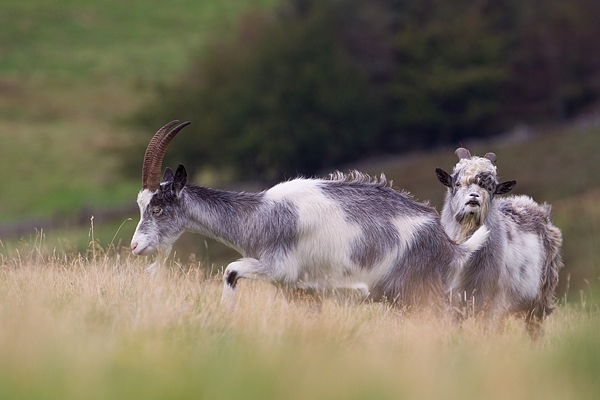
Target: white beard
x=470, y=218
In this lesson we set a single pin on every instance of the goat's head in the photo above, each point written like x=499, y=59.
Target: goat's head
x=471, y=188
x=160, y=224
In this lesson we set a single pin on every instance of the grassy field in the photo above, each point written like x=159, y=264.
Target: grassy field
x=98, y=327
x=77, y=323
x=71, y=73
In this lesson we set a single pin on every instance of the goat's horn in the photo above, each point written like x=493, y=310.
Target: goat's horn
x=160, y=142
x=461, y=152
x=491, y=157
x=150, y=150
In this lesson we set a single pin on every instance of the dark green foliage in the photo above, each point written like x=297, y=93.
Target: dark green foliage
x=448, y=76
x=323, y=82
x=554, y=59
x=283, y=98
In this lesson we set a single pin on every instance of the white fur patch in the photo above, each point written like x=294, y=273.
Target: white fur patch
x=524, y=202
x=143, y=198
x=407, y=227
x=523, y=265
x=322, y=257
x=469, y=168
x=292, y=190
x=320, y=222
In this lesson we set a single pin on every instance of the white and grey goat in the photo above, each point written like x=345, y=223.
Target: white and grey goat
x=345, y=232
x=516, y=270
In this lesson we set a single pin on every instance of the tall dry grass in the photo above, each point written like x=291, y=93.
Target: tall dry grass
x=96, y=326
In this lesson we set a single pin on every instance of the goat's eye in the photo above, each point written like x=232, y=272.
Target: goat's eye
x=156, y=210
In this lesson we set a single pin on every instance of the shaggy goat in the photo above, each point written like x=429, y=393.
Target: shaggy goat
x=345, y=232
x=516, y=270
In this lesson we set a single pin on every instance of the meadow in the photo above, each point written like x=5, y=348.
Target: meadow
x=79, y=317
x=96, y=326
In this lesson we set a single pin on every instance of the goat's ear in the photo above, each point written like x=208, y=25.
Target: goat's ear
x=168, y=176
x=180, y=179
x=505, y=187
x=444, y=177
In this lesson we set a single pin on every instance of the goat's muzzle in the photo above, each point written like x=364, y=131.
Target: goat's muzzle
x=135, y=248
x=139, y=250
x=473, y=203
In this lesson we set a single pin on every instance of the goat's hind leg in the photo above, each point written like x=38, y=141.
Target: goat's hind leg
x=309, y=297
x=352, y=293
x=534, y=322
x=242, y=268
x=313, y=296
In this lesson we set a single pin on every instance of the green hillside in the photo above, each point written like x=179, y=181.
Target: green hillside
x=71, y=71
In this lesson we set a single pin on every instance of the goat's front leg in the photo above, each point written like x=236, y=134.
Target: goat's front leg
x=349, y=293
x=355, y=292
x=242, y=268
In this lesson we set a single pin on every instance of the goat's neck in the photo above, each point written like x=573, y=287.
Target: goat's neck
x=219, y=214
x=459, y=231
x=466, y=228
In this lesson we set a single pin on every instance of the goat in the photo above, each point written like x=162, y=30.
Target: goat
x=516, y=270
x=344, y=232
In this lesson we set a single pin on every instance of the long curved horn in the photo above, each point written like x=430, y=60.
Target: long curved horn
x=491, y=157
x=161, y=141
x=150, y=150
x=461, y=152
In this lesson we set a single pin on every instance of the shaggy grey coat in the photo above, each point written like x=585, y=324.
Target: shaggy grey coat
x=516, y=270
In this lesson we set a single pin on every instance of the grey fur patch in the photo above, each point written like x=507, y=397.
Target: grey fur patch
x=372, y=206
x=522, y=270
x=486, y=181
x=359, y=177
x=274, y=232
x=247, y=221
x=529, y=219
x=417, y=278
x=480, y=275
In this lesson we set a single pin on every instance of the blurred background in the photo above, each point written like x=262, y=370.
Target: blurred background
x=278, y=88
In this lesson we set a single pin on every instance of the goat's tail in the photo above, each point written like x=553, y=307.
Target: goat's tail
x=474, y=243
x=552, y=241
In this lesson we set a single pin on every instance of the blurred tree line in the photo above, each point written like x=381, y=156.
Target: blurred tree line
x=317, y=83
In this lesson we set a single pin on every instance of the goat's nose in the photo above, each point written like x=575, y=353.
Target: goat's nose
x=475, y=195
x=134, y=245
